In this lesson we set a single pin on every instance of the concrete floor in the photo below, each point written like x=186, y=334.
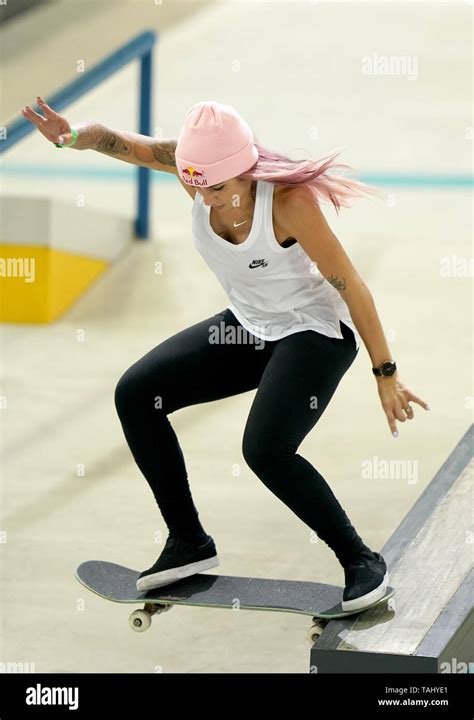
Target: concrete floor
x=60, y=410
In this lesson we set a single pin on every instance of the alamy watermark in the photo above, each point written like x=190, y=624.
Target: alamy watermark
x=18, y=267
x=223, y=334
x=39, y=695
x=17, y=667
x=379, y=469
x=456, y=266
x=396, y=65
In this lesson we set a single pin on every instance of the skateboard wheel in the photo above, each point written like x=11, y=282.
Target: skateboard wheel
x=316, y=629
x=140, y=620
x=391, y=605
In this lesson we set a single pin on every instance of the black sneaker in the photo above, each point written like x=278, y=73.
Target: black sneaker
x=178, y=560
x=366, y=581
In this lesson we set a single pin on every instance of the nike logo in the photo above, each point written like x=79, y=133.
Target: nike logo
x=258, y=263
x=237, y=224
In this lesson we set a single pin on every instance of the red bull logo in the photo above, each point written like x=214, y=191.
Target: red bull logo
x=193, y=176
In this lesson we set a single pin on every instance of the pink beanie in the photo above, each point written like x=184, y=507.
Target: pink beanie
x=215, y=144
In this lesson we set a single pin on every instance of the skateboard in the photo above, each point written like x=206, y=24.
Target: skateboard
x=322, y=602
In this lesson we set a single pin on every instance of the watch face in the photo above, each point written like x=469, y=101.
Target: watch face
x=388, y=368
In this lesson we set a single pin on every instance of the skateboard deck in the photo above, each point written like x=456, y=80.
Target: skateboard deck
x=118, y=584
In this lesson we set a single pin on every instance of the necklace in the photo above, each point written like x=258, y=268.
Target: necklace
x=253, y=191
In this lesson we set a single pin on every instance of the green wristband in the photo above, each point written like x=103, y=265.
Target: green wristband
x=74, y=134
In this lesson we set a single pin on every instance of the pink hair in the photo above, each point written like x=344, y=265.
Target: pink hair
x=323, y=186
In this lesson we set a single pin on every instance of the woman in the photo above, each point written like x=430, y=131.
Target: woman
x=296, y=300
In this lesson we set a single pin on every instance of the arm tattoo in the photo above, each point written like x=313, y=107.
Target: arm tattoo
x=164, y=152
x=126, y=146
x=113, y=144
x=338, y=283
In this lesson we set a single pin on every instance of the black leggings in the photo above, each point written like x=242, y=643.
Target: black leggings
x=296, y=377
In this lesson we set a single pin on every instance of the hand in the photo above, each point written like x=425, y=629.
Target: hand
x=54, y=127
x=395, y=398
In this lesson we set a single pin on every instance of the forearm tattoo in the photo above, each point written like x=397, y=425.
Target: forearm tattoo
x=124, y=145
x=113, y=144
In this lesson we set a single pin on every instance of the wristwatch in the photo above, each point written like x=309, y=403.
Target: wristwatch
x=385, y=369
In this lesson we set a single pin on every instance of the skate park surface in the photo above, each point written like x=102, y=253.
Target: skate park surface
x=70, y=488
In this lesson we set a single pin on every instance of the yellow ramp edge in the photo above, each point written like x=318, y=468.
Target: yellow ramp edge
x=38, y=284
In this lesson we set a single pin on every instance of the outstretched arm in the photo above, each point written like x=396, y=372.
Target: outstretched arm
x=121, y=144
x=129, y=146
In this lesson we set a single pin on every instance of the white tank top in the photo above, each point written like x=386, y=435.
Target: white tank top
x=273, y=291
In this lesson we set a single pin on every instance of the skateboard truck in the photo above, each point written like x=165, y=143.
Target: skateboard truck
x=319, y=623
x=140, y=620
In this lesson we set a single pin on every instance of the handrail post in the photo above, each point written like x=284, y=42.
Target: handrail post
x=143, y=199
